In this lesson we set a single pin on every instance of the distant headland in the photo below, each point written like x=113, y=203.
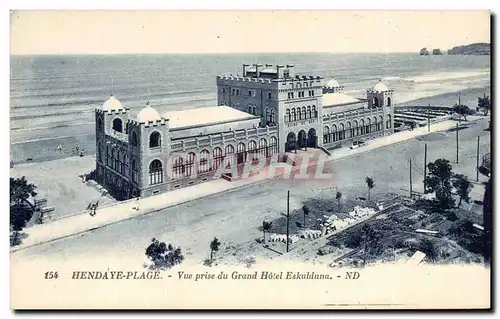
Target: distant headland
x=470, y=49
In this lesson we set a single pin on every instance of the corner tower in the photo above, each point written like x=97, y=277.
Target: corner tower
x=149, y=152
x=110, y=126
x=380, y=97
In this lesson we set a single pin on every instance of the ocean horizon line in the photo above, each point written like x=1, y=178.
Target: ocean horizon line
x=202, y=53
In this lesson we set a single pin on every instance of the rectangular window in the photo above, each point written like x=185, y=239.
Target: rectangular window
x=233, y=91
x=249, y=92
x=223, y=91
x=269, y=95
x=292, y=95
x=237, y=91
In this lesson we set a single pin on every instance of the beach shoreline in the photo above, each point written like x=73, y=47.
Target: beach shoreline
x=45, y=149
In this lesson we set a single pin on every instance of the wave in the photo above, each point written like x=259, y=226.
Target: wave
x=440, y=76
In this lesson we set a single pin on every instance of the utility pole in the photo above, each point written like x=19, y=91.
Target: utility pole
x=288, y=222
x=457, y=143
x=425, y=166
x=429, y=119
x=411, y=192
x=477, y=160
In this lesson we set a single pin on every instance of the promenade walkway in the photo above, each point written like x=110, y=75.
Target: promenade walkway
x=83, y=222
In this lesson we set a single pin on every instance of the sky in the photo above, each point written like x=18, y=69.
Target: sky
x=110, y=32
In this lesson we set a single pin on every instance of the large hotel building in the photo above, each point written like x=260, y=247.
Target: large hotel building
x=268, y=110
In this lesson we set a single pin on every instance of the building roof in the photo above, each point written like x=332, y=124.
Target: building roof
x=205, y=116
x=332, y=99
x=112, y=104
x=148, y=114
x=332, y=83
x=380, y=87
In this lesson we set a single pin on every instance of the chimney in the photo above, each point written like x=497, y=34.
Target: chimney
x=244, y=69
x=278, y=67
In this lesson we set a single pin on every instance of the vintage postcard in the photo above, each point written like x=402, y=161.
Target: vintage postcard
x=250, y=160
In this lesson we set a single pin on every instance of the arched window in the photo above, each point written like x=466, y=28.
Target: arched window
x=334, y=133
x=326, y=134
x=204, y=161
x=389, y=122
x=375, y=101
x=341, y=131
x=155, y=172
x=240, y=153
x=273, y=146
x=228, y=156
x=100, y=126
x=389, y=101
x=380, y=123
x=189, y=166
x=287, y=115
x=113, y=156
x=348, y=129
x=177, y=167
x=303, y=112
x=217, y=156
x=355, y=129
x=133, y=139
x=309, y=114
x=315, y=113
x=252, y=147
x=250, y=110
x=117, y=125
x=368, y=126
x=263, y=147
x=362, y=124
x=294, y=115
x=135, y=173
x=154, y=139
x=374, y=124
x=119, y=167
x=254, y=110
x=125, y=165
x=305, y=84
x=273, y=116
x=268, y=115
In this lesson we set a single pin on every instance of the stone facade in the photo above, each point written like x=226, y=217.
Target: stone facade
x=283, y=111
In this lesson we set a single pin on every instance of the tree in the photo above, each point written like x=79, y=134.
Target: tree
x=20, y=191
x=463, y=187
x=266, y=227
x=370, y=184
x=214, y=246
x=162, y=255
x=428, y=247
x=462, y=110
x=306, y=211
x=483, y=103
x=21, y=209
x=338, y=197
x=370, y=239
x=438, y=180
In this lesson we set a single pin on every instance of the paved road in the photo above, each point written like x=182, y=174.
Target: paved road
x=234, y=217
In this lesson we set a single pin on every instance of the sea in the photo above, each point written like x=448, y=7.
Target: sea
x=53, y=97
